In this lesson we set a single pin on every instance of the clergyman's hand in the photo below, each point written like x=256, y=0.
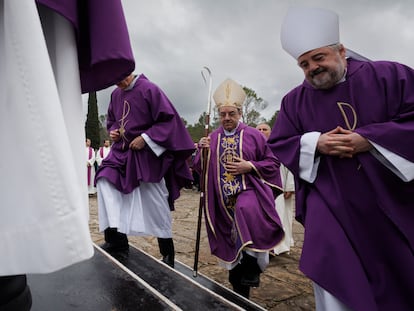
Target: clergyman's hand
x=114, y=135
x=204, y=142
x=342, y=143
x=359, y=143
x=137, y=144
x=238, y=166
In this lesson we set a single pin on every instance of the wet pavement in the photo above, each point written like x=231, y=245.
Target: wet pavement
x=283, y=287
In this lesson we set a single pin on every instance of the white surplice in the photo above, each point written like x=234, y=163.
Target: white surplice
x=285, y=209
x=90, y=166
x=44, y=203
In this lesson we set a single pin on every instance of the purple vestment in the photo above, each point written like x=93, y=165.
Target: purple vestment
x=252, y=222
x=104, y=51
x=146, y=109
x=358, y=215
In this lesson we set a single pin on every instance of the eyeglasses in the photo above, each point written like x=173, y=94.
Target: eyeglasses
x=231, y=114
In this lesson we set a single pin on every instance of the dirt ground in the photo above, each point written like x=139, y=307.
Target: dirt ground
x=283, y=287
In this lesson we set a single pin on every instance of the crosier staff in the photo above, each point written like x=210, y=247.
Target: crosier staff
x=203, y=168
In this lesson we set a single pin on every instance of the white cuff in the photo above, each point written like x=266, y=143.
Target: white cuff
x=157, y=149
x=401, y=167
x=308, y=164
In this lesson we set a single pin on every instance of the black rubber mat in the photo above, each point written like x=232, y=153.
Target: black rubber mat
x=186, y=294
x=98, y=284
x=134, y=282
x=218, y=289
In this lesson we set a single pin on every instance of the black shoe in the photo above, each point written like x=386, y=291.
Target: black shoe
x=168, y=260
x=115, y=242
x=250, y=279
x=167, y=251
x=235, y=276
x=242, y=290
x=15, y=293
x=250, y=275
x=115, y=248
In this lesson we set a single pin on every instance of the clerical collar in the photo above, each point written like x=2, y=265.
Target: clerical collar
x=343, y=79
x=131, y=85
x=229, y=133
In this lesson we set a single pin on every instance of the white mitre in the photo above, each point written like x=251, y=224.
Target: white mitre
x=229, y=93
x=305, y=29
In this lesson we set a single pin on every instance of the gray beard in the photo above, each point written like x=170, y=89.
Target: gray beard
x=328, y=78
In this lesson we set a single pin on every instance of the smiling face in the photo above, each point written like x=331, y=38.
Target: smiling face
x=229, y=117
x=323, y=67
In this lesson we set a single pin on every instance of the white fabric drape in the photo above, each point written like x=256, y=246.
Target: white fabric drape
x=285, y=209
x=142, y=212
x=44, y=209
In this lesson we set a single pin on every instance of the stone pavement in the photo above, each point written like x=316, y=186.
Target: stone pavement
x=283, y=287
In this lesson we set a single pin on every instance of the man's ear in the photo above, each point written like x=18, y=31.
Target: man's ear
x=342, y=50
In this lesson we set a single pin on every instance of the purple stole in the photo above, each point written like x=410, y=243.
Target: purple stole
x=230, y=185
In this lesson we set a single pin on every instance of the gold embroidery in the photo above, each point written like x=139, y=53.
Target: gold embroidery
x=230, y=184
x=228, y=92
x=228, y=177
x=341, y=107
x=123, y=122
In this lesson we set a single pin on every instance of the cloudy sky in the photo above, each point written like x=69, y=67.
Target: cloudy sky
x=174, y=39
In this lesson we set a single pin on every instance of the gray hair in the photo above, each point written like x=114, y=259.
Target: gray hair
x=336, y=46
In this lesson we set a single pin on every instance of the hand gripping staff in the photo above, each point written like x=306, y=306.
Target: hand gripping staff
x=203, y=168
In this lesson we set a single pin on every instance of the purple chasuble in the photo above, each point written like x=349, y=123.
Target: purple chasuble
x=146, y=109
x=102, y=63
x=358, y=215
x=240, y=210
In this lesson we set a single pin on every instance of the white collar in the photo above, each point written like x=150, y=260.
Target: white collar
x=132, y=84
x=229, y=133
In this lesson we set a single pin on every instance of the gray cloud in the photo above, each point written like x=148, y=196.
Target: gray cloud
x=173, y=39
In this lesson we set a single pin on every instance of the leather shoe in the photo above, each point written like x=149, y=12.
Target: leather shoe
x=115, y=248
x=250, y=279
x=242, y=290
x=169, y=260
